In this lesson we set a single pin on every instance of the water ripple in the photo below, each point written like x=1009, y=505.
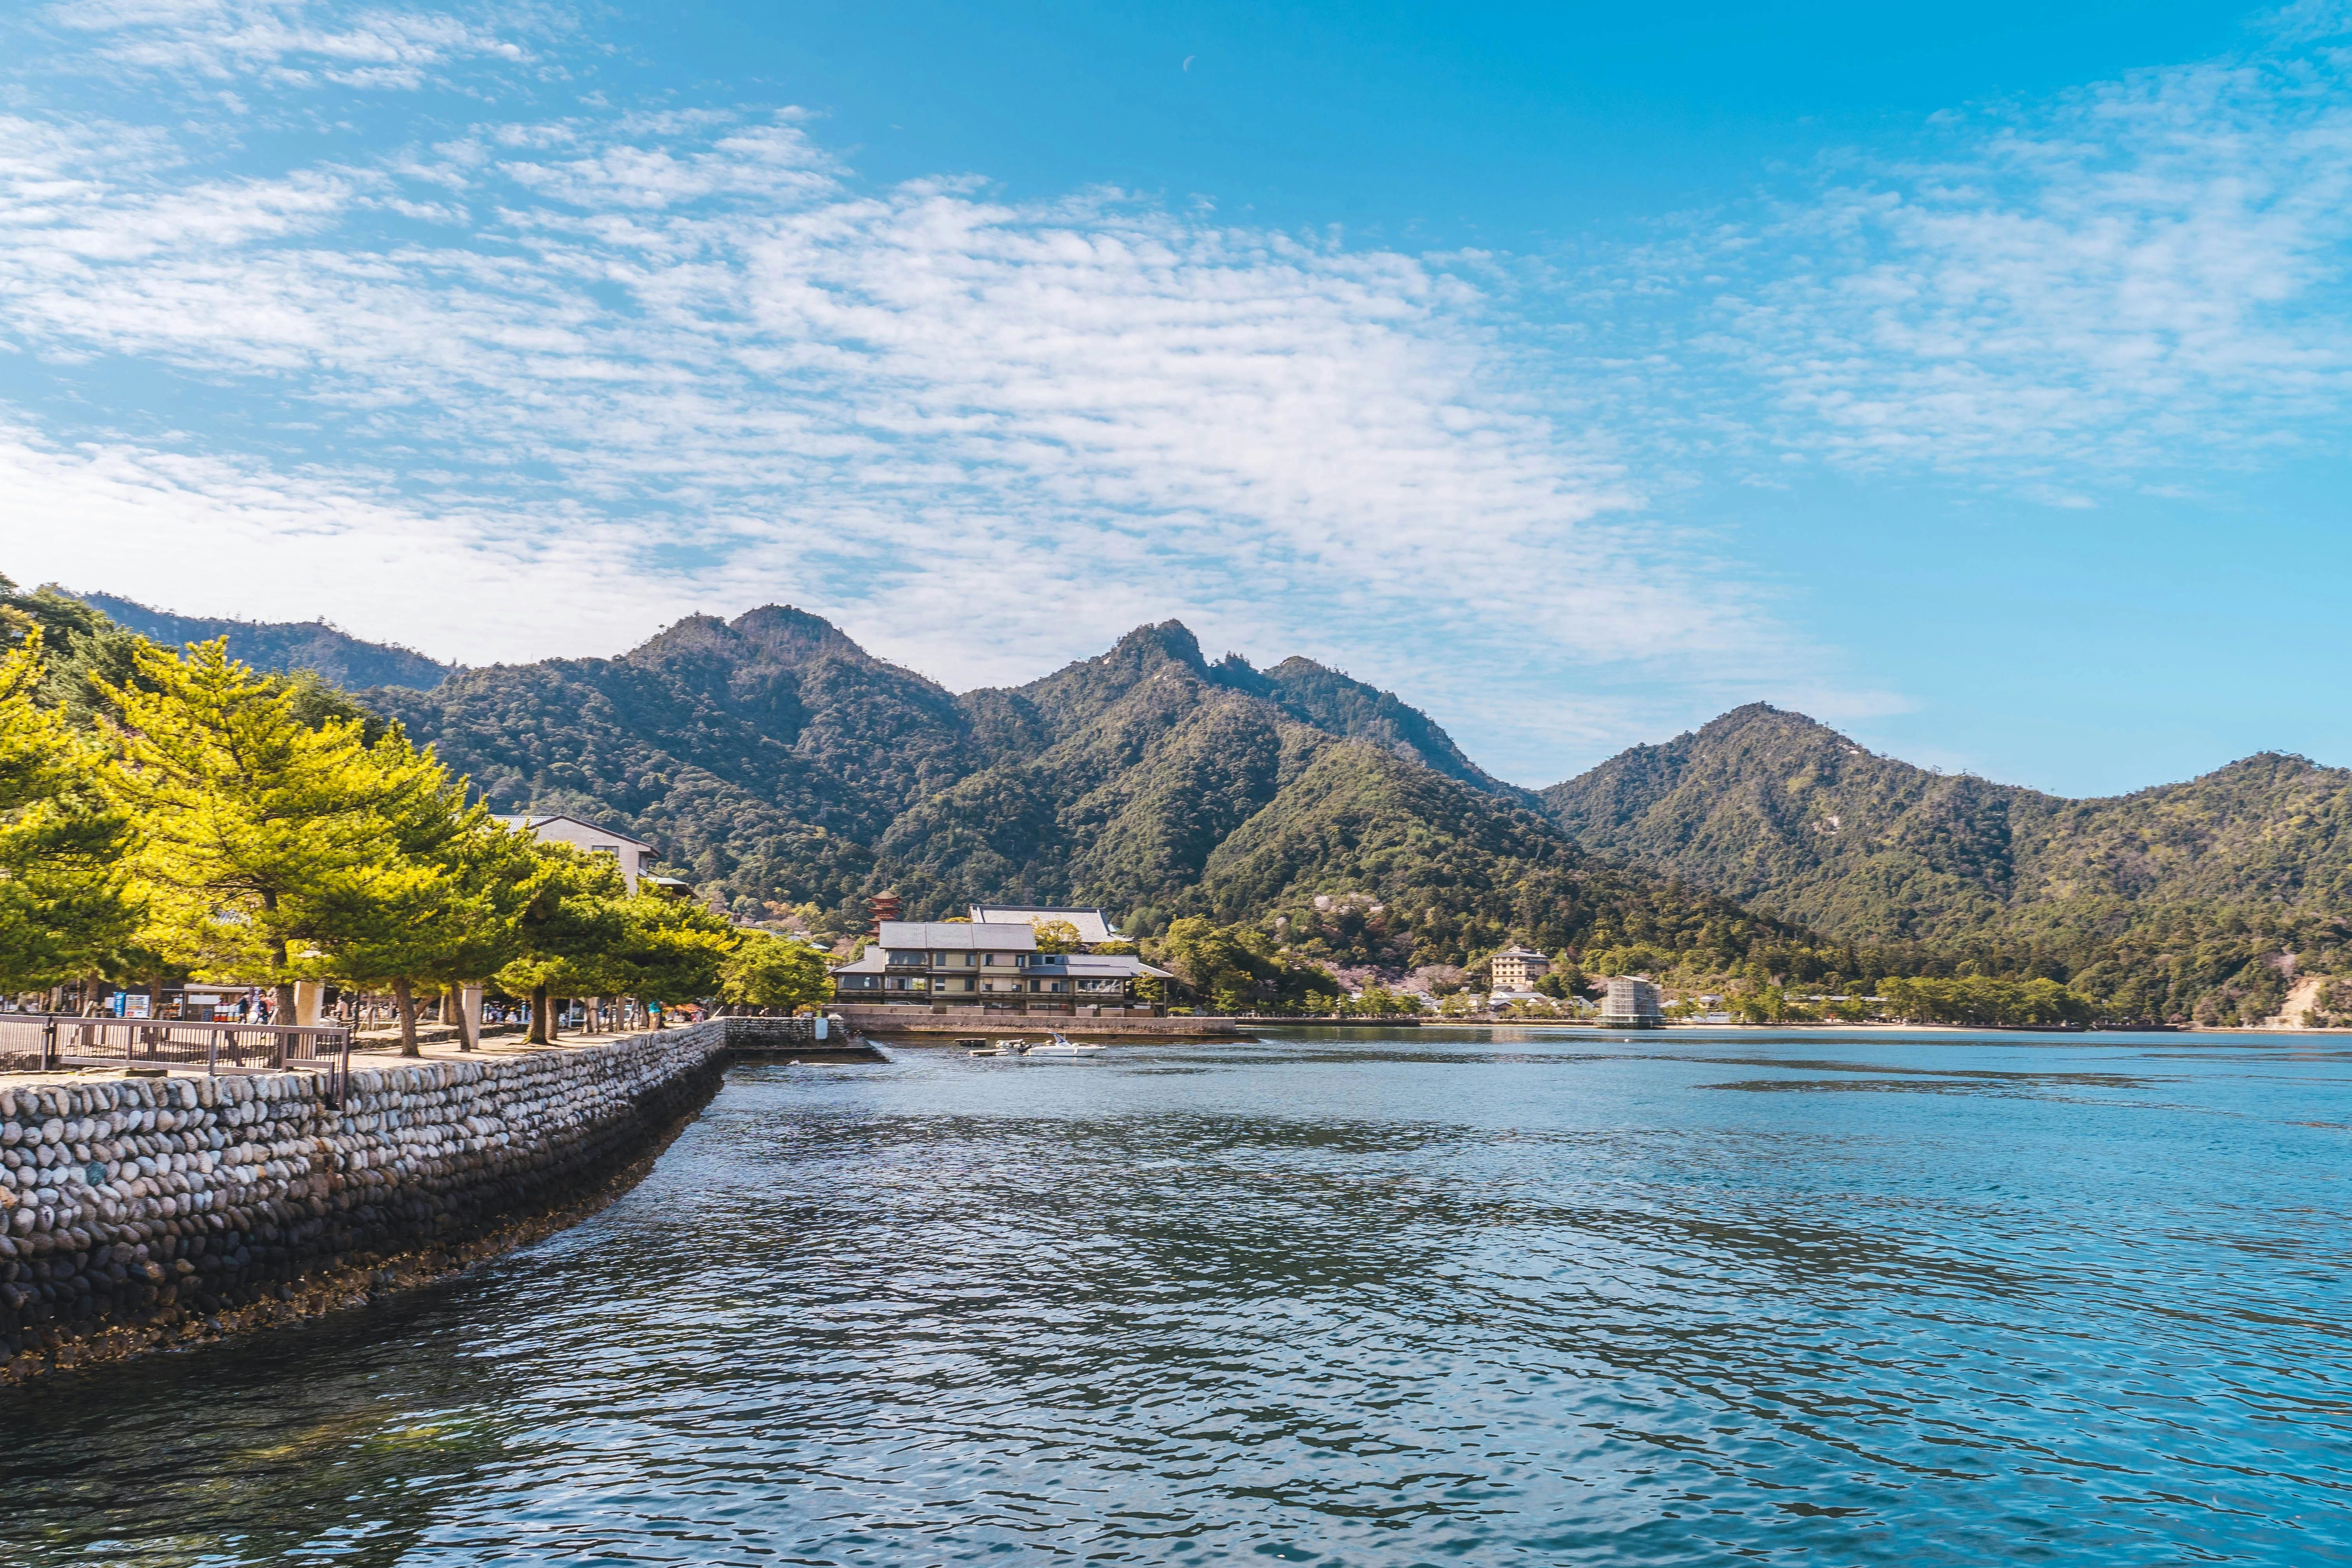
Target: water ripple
x=1367, y=1302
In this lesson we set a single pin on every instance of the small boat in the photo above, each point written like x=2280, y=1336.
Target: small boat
x=1061, y=1046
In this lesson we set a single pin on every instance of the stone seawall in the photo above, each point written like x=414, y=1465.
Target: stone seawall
x=137, y=1212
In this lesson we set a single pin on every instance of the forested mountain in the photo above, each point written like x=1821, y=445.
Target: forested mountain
x=281, y=647
x=784, y=768
x=2241, y=867
x=780, y=763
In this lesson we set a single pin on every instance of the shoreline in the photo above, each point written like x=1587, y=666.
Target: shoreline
x=1246, y=1024
x=169, y=1212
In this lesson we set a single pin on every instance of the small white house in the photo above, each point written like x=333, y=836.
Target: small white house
x=635, y=855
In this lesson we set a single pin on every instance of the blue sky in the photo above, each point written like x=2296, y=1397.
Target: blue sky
x=1974, y=380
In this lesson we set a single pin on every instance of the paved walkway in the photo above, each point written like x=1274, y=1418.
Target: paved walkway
x=369, y=1053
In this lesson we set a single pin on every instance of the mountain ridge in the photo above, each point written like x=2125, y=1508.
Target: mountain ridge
x=281, y=648
x=780, y=766
x=780, y=762
x=1765, y=805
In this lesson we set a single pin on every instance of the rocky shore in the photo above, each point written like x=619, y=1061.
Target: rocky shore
x=139, y=1213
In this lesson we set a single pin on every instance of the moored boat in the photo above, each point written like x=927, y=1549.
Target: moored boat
x=1063, y=1046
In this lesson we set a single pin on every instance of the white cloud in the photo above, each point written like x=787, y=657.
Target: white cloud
x=987, y=436
x=281, y=41
x=200, y=533
x=2145, y=269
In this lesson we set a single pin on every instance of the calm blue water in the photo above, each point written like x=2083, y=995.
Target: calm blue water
x=1464, y=1298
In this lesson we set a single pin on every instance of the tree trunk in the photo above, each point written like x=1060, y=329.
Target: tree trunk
x=281, y=1010
x=453, y=1007
x=404, y=997
x=539, y=1032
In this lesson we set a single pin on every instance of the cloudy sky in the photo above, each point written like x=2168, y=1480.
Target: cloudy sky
x=1972, y=381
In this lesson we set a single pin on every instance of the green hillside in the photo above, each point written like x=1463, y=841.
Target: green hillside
x=782, y=766
x=780, y=763
x=280, y=647
x=2176, y=891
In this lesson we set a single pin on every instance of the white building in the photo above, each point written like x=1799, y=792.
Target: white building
x=635, y=855
x=1517, y=968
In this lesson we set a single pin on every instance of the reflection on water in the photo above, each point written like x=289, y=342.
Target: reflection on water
x=1457, y=1296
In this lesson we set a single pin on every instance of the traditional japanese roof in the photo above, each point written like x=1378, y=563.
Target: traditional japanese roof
x=1092, y=924
x=956, y=936
x=1102, y=965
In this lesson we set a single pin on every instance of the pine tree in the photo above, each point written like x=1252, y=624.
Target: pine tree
x=454, y=917
x=268, y=848
x=574, y=916
x=776, y=971
x=66, y=909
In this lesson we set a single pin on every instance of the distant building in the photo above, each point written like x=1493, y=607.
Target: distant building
x=1631, y=1005
x=984, y=964
x=1093, y=925
x=1517, y=969
x=635, y=855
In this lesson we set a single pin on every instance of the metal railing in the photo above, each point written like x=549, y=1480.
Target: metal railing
x=68, y=1040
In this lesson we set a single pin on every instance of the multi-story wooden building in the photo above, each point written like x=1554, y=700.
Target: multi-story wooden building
x=984, y=964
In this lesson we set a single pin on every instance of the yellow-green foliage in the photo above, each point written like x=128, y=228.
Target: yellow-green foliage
x=266, y=849
x=768, y=971
x=66, y=907
x=181, y=812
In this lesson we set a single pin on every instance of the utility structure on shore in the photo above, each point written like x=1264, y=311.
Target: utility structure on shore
x=1632, y=1004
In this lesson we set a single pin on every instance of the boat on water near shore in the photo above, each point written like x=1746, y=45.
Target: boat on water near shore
x=1063, y=1046
x=1060, y=1048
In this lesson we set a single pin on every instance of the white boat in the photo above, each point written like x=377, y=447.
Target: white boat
x=1061, y=1046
